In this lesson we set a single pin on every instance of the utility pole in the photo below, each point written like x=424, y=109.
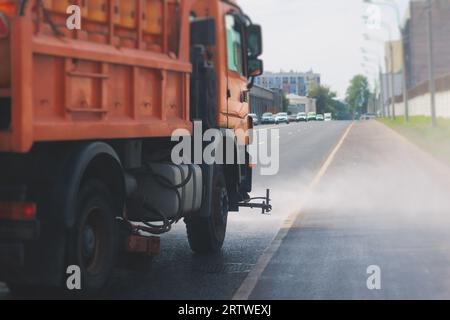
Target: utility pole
x=392, y=79
x=395, y=7
x=431, y=64
x=388, y=88
x=404, y=77
x=383, y=110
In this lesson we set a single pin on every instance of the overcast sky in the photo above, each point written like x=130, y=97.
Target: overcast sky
x=323, y=35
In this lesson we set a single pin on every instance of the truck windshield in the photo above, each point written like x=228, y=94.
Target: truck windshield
x=234, y=45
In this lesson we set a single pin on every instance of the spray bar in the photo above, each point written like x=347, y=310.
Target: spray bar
x=265, y=206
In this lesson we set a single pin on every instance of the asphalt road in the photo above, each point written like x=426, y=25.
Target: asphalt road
x=380, y=202
x=383, y=203
x=177, y=273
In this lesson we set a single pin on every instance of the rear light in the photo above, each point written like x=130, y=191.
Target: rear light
x=4, y=26
x=8, y=7
x=17, y=211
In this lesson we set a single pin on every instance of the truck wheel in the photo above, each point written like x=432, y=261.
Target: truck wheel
x=207, y=235
x=92, y=241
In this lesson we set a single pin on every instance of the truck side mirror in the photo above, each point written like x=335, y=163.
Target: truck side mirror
x=254, y=41
x=203, y=32
x=255, y=67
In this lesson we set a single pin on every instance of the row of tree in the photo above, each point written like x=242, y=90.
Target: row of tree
x=356, y=101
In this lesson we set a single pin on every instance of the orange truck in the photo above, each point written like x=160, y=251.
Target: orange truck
x=86, y=123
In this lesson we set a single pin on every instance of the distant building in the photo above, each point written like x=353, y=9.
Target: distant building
x=264, y=100
x=298, y=83
x=394, y=63
x=386, y=87
x=300, y=104
x=416, y=40
x=394, y=60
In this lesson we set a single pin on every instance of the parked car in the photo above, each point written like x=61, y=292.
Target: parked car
x=282, y=117
x=311, y=116
x=254, y=118
x=302, y=116
x=268, y=118
x=292, y=118
x=328, y=117
x=320, y=117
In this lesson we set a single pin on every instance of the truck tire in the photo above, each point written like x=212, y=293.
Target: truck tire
x=206, y=235
x=92, y=240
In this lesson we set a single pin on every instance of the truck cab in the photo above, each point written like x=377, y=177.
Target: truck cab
x=234, y=55
x=87, y=121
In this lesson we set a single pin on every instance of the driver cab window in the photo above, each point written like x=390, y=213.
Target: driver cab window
x=234, y=45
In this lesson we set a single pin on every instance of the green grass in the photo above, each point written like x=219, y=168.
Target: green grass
x=420, y=131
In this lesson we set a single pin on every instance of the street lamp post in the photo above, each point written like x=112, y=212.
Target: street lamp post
x=404, y=78
x=431, y=64
x=391, y=48
x=380, y=81
x=393, y=6
x=381, y=103
x=389, y=73
x=388, y=87
x=391, y=53
x=373, y=70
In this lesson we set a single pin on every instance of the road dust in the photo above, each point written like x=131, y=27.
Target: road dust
x=384, y=178
x=401, y=184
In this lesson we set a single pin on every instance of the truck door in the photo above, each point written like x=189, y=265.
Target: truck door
x=238, y=95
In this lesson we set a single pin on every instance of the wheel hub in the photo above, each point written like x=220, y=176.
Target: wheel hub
x=89, y=242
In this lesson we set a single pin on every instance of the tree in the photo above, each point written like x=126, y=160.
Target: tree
x=342, y=111
x=358, y=94
x=325, y=99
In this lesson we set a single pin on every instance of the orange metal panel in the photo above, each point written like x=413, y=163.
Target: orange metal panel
x=72, y=89
x=127, y=12
x=85, y=129
x=126, y=75
x=60, y=5
x=48, y=103
x=149, y=93
x=97, y=10
x=153, y=17
x=98, y=52
x=22, y=85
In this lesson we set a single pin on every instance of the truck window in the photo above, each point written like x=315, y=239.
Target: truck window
x=234, y=45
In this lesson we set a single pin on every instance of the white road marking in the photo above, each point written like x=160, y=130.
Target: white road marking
x=250, y=282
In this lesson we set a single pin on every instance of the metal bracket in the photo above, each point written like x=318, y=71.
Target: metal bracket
x=265, y=206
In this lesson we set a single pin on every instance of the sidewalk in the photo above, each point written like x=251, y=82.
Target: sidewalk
x=382, y=202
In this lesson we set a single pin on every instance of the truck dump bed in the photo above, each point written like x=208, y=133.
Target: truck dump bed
x=125, y=74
